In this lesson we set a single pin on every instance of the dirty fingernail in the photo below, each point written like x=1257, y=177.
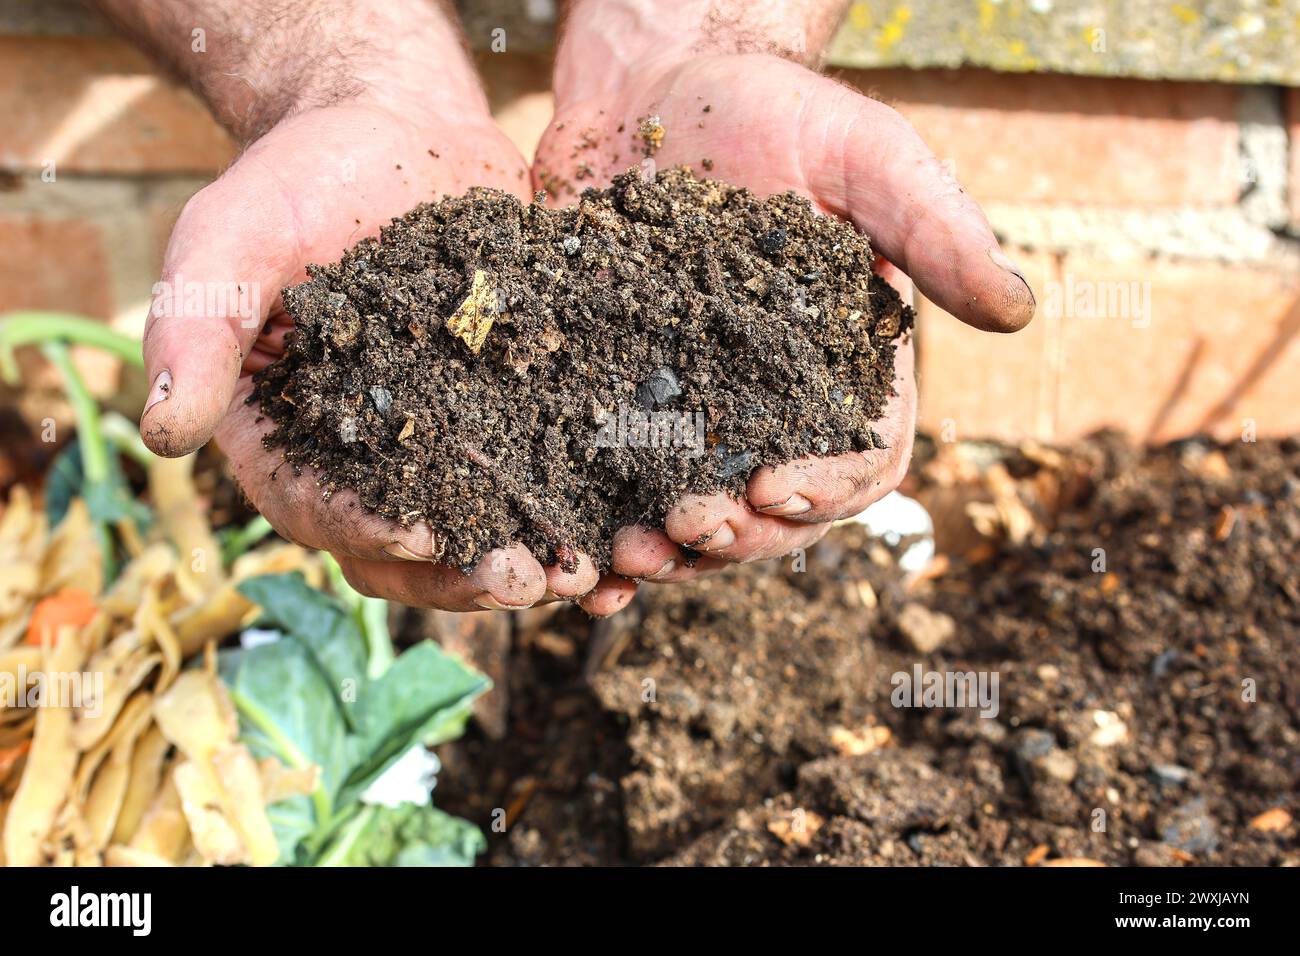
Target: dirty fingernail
x=794, y=505
x=490, y=603
x=1003, y=261
x=160, y=391
x=398, y=550
x=724, y=537
x=669, y=567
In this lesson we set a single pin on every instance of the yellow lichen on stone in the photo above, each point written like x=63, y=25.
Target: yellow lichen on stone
x=894, y=28
x=473, y=318
x=1223, y=40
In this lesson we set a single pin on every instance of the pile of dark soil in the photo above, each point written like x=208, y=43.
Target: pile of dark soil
x=656, y=338
x=1147, y=714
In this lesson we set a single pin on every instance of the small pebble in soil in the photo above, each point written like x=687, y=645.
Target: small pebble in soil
x=1170, y=775
x=659, y=388
x=772, y=242
x=925, y=631
x=1038, y=758
x=1110, y=729
x=733, y=464
x=382, y=398
x=1162, y=662
x=1190, y=828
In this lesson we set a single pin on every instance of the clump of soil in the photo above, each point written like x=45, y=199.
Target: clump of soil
x=1147, y=713
x=657, y=338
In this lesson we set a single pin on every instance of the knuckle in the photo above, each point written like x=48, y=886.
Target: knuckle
x=844, y=477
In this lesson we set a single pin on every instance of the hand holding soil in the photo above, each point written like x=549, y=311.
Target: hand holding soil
x=507, y=373
x=321, y=178
x=335, y=162
x=763, y=122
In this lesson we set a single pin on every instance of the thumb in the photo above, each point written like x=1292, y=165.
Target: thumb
x=874, y=166
x=232, y=250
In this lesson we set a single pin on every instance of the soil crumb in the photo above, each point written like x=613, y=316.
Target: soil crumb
x=508, y=372
x=1145, y=714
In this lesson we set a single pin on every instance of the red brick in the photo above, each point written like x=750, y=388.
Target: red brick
x=1218, y=345
x=96, y=105
x=1223, y=345
x=54, y=264
x=986, y=385
x=58, y=265
x=1072, y=140
x=162, y=219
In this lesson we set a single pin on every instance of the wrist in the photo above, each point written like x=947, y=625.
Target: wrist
x=260, y=62
x=642, y=41
x=416, y=68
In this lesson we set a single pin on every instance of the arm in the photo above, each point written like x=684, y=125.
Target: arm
x=647, y=36
x=352, y=113
x=259, y=62
x=773, y=125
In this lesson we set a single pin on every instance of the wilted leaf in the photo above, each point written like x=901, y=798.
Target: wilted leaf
x=51, y=764
x=219, y=783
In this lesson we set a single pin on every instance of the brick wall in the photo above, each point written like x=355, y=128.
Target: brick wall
x=97, y=156
x=1153, y=220
x=1157, y=221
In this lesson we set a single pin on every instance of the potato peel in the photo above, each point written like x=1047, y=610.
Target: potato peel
x=51, y=766
x=219, y=784
x=145, y=768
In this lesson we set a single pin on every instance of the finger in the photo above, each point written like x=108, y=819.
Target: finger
x=722, y=527
x=505, y=579
x=228, y=257
x=827, y=489
x=610, y=596
x=865, y=160
x=571, y=584
x=647, y=554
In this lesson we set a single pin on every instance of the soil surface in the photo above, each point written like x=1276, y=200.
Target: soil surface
x=516, y=373
x=1147, y=713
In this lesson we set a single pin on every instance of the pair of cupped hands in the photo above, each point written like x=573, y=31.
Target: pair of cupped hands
x=325, y=177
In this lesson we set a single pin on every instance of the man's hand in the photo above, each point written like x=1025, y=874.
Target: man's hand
x=356, y=113
x=756, y=119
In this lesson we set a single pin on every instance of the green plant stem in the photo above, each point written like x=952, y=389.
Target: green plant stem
x=372, y=617
x=90, y=441
x=245, y=538
x=123, y=435
x=379, y=643
x=39, y=328
x=339, y=847
x=285, y=749
x=94, y=450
